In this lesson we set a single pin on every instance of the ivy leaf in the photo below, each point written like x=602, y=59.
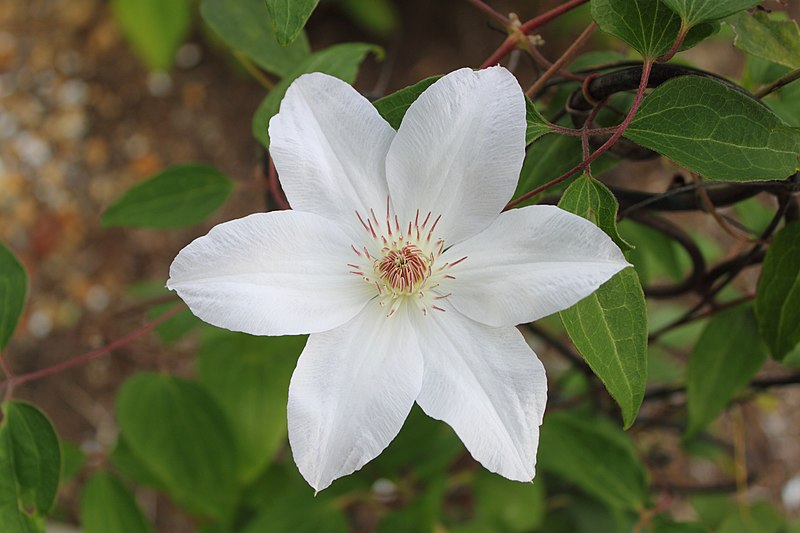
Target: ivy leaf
x=695, y=11
x=30, y=466
x=178, y=432
x=594, y=455
x=767, y=37
x=245, y=26
x=106, y=506
x=341, y=60
x=593, y=201
x=393, y=107
x=180, y=196
x=609, y=328
x=778, y=293
x=715, y=131
x=249, y=377
x=154, y=28
x=649, y=26
x=289, y=17
x=13, y=290
x=727, y=355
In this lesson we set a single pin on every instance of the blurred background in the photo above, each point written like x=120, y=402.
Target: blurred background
x=87, y=111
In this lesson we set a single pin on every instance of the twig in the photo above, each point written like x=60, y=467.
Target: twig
x=490, y=12
x=511, y=41
x=777, y=84
x=94, y=354
x=597, y=153
x=259, y=76
x=567, y=56
x=685, y=319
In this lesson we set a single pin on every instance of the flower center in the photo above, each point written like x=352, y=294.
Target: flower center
x=403, y=262
x=404, y=269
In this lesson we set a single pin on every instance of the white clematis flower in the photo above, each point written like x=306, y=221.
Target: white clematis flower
x=397, y=260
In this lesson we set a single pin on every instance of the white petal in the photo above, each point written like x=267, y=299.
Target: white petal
x=459, y=151
x=489, y=386
x=531, y=262
x=329, y=145
x=351, y=392
x=279, y=273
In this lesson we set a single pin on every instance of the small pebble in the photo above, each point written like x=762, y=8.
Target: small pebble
x=189, y=55
x=159, y=84
x=32, y=149
x=40, y=324
x=73, y=93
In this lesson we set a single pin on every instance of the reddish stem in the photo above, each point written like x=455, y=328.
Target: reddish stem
x=13, y=381
x=597, y=153
x=568, y=54
x=676, y=45
x=511, y=41
x=9, y=372
x=491, y=12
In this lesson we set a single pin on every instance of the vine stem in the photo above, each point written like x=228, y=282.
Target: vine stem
x=491, y=12
x=777, y=84
x=9, y=372
x=14, y=381
x=259, y=76
x=511, y=41
x=637, y=101
x=677, y=44
x=567, y=56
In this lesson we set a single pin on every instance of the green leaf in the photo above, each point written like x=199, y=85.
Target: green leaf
x=778, y=293
x=106, y=506
x=503, y=505
x=767, y=37
x=762, y=517
x=30, y=463
x=649, y=26
x=249, y=378
x=715, y=131
x=655, y=255
x=13, y=289
x=289, y=17
x=129, y=466
x=594, y=455
x=393, y=107
x=591, y=199
x=340, y=60
x=537, y=125
x=154, y=28
x=404, y=452
x=609, y=328
x=180, y=196
x=246, y=26
x=72, y=460
x=422, y=514
x=376, y=16
x=696, y=11
x=285, y=503
x=726, y=357
x=177, y=431
x=665, y=525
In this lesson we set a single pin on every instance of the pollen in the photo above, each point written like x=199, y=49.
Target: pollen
x=403, y=261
